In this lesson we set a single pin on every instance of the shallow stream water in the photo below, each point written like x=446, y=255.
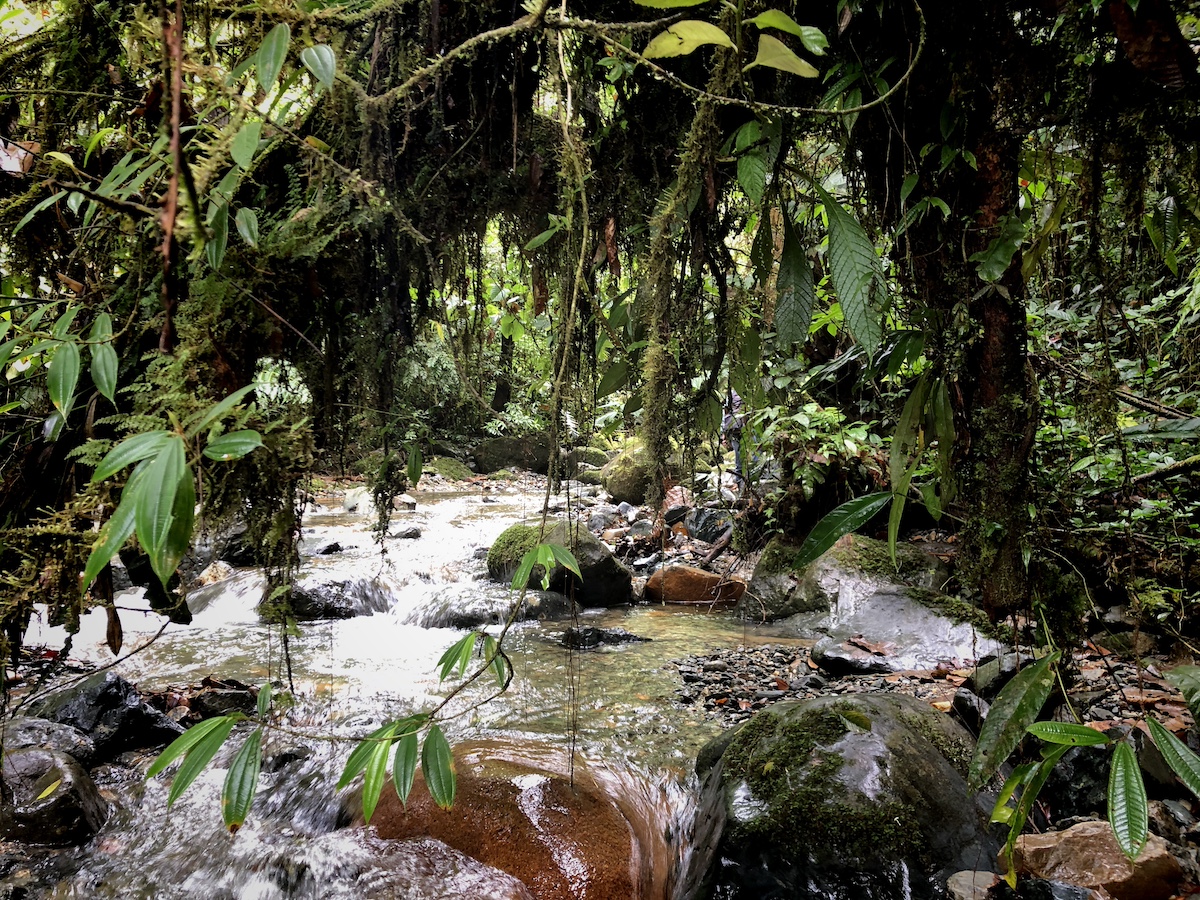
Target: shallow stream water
x=352, y=675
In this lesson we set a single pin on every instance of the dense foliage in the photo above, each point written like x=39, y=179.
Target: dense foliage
x=945, y=250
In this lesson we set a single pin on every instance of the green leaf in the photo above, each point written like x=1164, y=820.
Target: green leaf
x=415, y=465
x=762, y=251
x=247, y=225
x=214, y=247
x=131, y=450
x=846, y=518
x=524, y=570
x=438, y=765
x=234, y=445
x=499, y=664
x=183, y=520
x=28, y=217
x=104, y=357
x=813, y=39
x=565, y=558
x=1067, y=733
x=154, y=514
x=1187, y=680
x=361, y=754
x=1127, y=809
x=115, y=533
x=775, y=54
x=199, y=756
x=796, y=296
x=245, y=144
x=457, y=657
x=1179, y=757
x=684, y=37
x=241, y=782
x=376, y=772
x=185, y=742
x=536, y=242
x=856, y=272
x=994, y=261
x=321, y=61
x=616, y=377
x=264, y=700
x=214, y=412
x=63, y=376
x=404, y=766
x=1034, y=781
x=752, y=173
x=271, y=55
x=1015, y=708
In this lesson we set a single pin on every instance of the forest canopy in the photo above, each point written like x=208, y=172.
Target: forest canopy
x=942, y=250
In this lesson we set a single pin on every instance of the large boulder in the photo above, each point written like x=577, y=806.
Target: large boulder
x=677, y=583
x=25, y=731
x=48, y=798
x=532, y=453
x=314, y=600
x=627, y=476
x=860, y=796
x=109, y=710
x=605, y=581
x=470, y=605
x=514, y=810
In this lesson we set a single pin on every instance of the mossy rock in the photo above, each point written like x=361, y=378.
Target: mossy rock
x=590, y=476
x=591, y=456
x=503, y=475
x=449, y=468
x=849, y=792
x=529, y=452
x=605, y=582
x=627, y=476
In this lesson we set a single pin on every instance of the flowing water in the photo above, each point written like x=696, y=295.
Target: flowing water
x=352, y=675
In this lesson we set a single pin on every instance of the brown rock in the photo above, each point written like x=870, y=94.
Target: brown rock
x=1087, y=855
x=687, y=584
x=564, y=841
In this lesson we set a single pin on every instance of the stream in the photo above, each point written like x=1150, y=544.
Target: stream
x=354, y=674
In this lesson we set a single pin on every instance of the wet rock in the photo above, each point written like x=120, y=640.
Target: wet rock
x=969, y=709
x=514, y=811
x=588, y=638
x=602, y=517
x=109, y=710
x=628, y=510
x=1041, y=889
x=473, y=605
x=1087, y=855
x=642, y=528
x=49, y=799
x=221, y=700
x=605, y=581
x=993, y=672
x=970, y=885
x=858, y=796
x=407, y=533
x=1078, y=785
x=706, y=524
x=532, y=453
x=313, y=601
x=687, y=584
x=627, y=476
x=358, y=500
x=329, y=549
x=25, y=731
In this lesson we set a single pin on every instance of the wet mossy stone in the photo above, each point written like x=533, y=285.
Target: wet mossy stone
x=847, y=796
x=627, y=476
x=449, y=468
x=532, y=453
x=48, y=798
x=606, y=582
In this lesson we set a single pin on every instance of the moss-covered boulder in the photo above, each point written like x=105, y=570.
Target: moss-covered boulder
x=529, y=452
x=585, y=456
x=859, y=796
x=449, y=468
x=627, y=476
x=606, y=582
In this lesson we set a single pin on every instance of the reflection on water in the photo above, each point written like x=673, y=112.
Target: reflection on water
x=353, y=675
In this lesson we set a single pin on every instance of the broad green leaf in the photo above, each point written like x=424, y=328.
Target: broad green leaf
x=1165, y=429
x=684, y=37
x=116, y=531
x=438, y=765
x=536, y=242
x=668, y=4
x=1127, y=808
x=28, y=217
x=154, y=514
x=1179, y=757
x=856, y=272
x=214, y=412
x=457, y=657
x=131, y=450
x=247, y=225
x=1002, y=812
x=795, y=295
x=524, y=570
x=376, y=772
x=994, y=260
x=185, y=742
x=183, y=520
x=813, y=39
x=271, y=55
x=499, y=663
x=62, y=326
x=241, y=782
x=762, y=251
x=614, y=378
x=851, y=515
x=50, y=789
x=1067, y=733
x=321, y=61
x=415, y=465
x=1033, y=784
x=752, y=173
x=264, y=700
x=1187, y=680
x=565, y=558
x=361, y=754
x=1015, y=708
x=245, y=144
x=775, y=54
x=214, y=247
x=404, y=766
x=104, y=357
x=199, y=756
x=234, y=445
x=63, y=376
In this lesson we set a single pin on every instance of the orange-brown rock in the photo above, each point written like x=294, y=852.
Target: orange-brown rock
x=687, y=584
x=1087, y=855
x=564, y=842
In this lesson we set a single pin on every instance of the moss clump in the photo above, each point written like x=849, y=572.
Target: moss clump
x=959, y=611
x=778, y=556
x=957, y=748
x=502, y=475
x=449, y=468
x=505, y=553
x=593, y=456
x=591, y=476
x=787, y=762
